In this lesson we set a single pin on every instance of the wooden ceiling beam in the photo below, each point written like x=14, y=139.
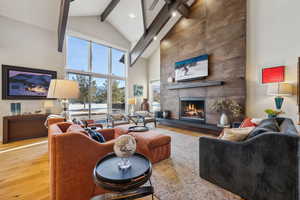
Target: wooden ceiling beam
x=62, y=24
x=109, y=9
x=184, y=10
x=158, y=23
x=144, y=15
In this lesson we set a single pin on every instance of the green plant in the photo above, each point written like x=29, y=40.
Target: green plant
x=272, y=112
x=228, y=106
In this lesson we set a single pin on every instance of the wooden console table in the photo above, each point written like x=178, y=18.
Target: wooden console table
x=19, y=127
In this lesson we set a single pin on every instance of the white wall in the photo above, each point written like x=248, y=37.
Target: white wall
x=93, y=29
x=154, y=66
x=272, y=39
x=28, y=46
x=138, y=74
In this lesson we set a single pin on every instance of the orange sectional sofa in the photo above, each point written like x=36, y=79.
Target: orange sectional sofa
x=73, y=156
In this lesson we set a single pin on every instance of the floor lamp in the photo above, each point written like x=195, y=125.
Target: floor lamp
x=63, y=90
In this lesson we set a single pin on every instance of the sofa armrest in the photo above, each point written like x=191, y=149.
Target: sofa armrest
x=73, y=157
x=264, y=167
x=108, y=133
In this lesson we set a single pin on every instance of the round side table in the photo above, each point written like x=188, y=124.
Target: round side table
x=124, y=184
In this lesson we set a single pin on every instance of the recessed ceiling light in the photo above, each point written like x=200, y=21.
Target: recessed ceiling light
x=155, y=38
x=132, y=16
x=174, y=14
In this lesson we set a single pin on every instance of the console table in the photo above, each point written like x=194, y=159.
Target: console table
x=19, y=127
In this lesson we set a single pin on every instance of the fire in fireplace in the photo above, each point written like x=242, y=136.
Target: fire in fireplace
x=192, y=109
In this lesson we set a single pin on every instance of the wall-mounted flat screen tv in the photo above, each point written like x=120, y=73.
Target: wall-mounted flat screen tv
x=25, y=83
x=193, y=68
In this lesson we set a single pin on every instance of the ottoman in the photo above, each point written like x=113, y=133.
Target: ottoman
x=155, y=146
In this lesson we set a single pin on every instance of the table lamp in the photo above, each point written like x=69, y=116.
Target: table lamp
x=131, y=102
x=63, y=90
x=279, y=90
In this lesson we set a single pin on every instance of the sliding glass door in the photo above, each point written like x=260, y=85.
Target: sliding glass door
x=101, y=74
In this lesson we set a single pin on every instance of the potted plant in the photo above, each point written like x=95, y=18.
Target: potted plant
x=272, y=113
x=224, y=107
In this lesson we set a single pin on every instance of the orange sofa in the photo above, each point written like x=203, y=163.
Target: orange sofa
x=73, y=156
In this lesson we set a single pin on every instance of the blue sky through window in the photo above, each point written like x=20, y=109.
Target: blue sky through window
x=78, y=54
x=118, y=68
x=100, y=58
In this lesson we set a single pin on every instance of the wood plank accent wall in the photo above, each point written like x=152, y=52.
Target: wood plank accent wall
x=217, y=28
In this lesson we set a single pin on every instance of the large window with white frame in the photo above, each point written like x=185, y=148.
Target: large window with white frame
x=101, y=73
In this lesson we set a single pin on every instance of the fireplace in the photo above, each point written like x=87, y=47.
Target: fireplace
x=192, y=109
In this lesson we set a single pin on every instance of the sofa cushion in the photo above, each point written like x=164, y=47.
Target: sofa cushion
x=236, y=134
x=267, y=125
x=96, y=135
x=75, y=128
x=151, y=139
x=287, y=126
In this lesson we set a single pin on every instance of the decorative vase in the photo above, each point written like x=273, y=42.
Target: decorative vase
x=224, y=121
x=124, y=148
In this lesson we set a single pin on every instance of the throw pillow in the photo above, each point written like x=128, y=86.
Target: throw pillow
x=267, y=125
x=236, y=134
x=96, y=135
x=256, y=121
x=76, y=128
x=117, y=117
x=287, y=126
x=247, y=123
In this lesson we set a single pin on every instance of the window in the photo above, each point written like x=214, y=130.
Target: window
x=100, y=58
x=118, y=63
x=118, y=96
x=101, y=73
x=155, y=95
x=78, y=54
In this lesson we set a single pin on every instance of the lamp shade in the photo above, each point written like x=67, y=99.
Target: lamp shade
x=63, y=89
x=280, y=89
x=131, y=101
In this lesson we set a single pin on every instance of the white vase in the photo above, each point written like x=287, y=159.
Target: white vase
x=224, y=121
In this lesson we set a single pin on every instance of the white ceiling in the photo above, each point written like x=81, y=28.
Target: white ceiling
x=45, y=14
x=131, y=28
x=42, y=13
x=88, y=7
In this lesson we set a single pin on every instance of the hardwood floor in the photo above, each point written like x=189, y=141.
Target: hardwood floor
x=24, y=171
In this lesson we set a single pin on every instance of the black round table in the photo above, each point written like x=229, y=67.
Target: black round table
x=138, y=129
x=125, y=183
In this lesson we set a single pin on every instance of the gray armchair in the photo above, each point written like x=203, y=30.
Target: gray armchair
x=263, y=167
x=118, y=119
x=146, y=117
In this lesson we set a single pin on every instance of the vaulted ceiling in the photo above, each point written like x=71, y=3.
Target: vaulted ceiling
x=126, y=17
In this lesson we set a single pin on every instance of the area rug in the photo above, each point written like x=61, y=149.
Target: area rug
x=178, y=178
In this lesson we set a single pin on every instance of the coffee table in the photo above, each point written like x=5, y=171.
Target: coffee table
x=124, y=184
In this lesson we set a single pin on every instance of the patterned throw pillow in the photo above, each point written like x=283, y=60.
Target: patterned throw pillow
x=247, y=123
x=236, y=134
x=96, y=135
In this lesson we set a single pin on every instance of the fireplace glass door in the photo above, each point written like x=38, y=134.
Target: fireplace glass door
x=192, y=109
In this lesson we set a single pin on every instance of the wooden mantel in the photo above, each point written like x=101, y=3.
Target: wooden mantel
x=195, y=85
